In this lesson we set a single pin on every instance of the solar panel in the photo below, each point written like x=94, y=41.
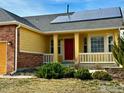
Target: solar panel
x=90, y=15
x=123, y=13
x=96, y=14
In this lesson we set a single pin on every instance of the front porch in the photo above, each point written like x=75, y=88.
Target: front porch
x=102, y=57
x=86, y=47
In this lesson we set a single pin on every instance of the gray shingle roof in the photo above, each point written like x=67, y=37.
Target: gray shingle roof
x=6, y=16
x=43, y=22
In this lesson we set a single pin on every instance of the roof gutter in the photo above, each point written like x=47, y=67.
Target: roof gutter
x=30, y=28
x=21, y=24
x=58, y=31
x=82, y=30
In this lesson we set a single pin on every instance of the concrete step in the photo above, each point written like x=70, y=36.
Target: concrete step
x=68, y=63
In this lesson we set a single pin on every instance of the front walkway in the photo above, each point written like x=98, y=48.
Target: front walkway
x=9, y=76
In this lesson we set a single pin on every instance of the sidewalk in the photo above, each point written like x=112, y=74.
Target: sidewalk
x=9, y=76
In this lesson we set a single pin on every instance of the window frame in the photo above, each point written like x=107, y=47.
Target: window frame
x=85, y=45
x=109, y=43
x=51, y=46
x=91, y=43
x=59, y=46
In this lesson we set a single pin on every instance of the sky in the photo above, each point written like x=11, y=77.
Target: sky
x=42, y=7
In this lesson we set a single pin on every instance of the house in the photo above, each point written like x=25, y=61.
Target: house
x=85, y=37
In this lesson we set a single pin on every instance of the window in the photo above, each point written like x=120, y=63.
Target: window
x=85, y=45
x=97, y=44
x=110, y=43
x=59, y=47
x=52, y=47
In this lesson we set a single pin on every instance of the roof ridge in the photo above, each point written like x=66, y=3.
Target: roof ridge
x=47, y=15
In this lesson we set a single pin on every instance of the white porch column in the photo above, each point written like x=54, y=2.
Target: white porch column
x=106, y=48
x=88, y=43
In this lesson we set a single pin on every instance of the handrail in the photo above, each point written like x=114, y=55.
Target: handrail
x=47, y=58
x=96, y=57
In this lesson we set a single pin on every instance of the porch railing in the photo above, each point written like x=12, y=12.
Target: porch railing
x=47, y=58
x=96, y=57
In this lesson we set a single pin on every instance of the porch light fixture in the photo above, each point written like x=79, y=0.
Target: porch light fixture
x=9, y=43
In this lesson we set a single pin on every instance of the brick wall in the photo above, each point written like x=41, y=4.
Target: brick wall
x=7, y=33
x=29, y=60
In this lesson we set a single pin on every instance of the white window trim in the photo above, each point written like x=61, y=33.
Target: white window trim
x=89, y=41
x=108, y=42
x=106, y=45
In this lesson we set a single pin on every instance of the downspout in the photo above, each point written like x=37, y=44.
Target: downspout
x=16, y=49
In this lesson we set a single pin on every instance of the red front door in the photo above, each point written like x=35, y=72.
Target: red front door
x=69, y=49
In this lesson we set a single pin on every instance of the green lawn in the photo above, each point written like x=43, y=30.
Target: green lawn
x=59, y=86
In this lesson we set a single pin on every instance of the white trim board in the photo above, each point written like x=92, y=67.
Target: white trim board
x=60, y=31
x=32, y=52
x=97, y=62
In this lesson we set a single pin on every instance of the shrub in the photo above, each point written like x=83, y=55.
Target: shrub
x=50, y=70
x=101, y=75
x=69, y=72
x=83, y=74
x=118, y=51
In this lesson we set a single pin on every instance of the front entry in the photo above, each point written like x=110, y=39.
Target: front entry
x=2, y=58
x=69, y=49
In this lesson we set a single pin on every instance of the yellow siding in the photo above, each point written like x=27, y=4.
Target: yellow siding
x=116, y=35
x=32, y=41
x=81, y=43
x=36, y=42
x=60, y=58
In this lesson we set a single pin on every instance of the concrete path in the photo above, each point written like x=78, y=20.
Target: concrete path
x=9, y=76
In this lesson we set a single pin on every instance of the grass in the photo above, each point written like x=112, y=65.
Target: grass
x=37, y=85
